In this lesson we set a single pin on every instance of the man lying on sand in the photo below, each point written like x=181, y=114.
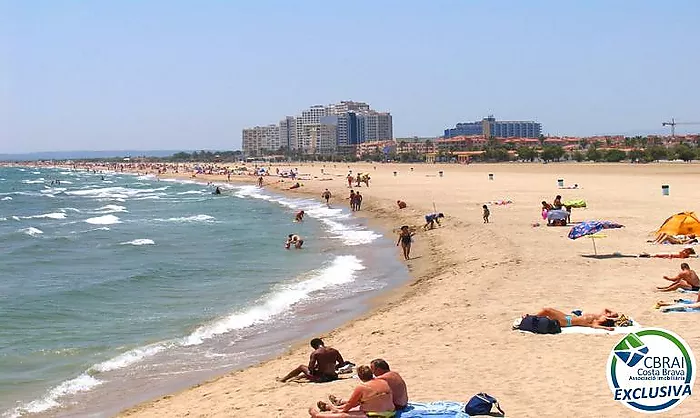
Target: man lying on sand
x=371, y=398
x=380, y=369
x=604, y=320
x=687, y=279
x=323, y=363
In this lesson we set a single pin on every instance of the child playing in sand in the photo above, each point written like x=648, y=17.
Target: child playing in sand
x=487, y=212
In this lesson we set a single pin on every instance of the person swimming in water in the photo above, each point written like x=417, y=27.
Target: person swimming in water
x=299, y=217
x=217, y=190
x=294, y=240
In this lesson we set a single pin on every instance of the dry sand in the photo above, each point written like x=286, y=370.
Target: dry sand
x=448, y=332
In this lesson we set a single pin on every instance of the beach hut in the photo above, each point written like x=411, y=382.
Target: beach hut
x=683, y=223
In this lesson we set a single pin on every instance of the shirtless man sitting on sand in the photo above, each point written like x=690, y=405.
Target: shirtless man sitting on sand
x=604, y=320
x=371, y=398
x=380, y=369
x=323, y=363
x=687, y=279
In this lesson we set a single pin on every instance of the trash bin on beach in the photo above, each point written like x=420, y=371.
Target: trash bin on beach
x=665, y=190
x=411, y=169
x=560, y=182
x=440, y=173
x=490, y=176
x=394, y=173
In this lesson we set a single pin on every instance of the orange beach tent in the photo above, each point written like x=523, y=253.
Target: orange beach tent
x=683, y=223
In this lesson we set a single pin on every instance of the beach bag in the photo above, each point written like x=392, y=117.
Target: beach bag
x=539, y=325
x=481, y=404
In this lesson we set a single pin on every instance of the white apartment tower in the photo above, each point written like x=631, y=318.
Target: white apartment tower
x=259, y=138
x=288, y=133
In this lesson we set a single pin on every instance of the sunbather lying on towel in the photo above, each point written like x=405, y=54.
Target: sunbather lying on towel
x=604, y=320
x=371, y=398
x=665, y=238
x=687, y=279
x=684, y=253
x=689, y=306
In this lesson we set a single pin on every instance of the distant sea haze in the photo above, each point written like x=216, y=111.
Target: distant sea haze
x=67, y=155
x=115, y=282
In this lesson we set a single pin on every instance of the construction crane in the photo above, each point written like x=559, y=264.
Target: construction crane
x=673, y=124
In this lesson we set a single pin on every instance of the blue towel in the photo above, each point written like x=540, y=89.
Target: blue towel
x=439, y=409
x=681, y=308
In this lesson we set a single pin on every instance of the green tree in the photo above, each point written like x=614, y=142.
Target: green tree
x=684, y=152
x=656, y=153
x=552, y=153
x=578, y=156
x=615, y=155
x=636, y=155
x=593, y=154
x=526, y=153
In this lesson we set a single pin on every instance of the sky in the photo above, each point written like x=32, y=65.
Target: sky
x=168, y=74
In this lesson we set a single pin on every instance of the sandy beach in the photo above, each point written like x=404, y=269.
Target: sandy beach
x=448, y=332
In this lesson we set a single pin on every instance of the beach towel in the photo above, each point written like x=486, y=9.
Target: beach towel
x=575, y=203
x=438, y=409
x=588, y=330
x=681, y=290
x=680, y=307
x=557, y=215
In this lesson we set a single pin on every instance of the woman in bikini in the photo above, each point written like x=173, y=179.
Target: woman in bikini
x=405, y=241
x=371, y=398
x=605, y=320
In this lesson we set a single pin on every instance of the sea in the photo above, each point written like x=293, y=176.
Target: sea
x=117, y=288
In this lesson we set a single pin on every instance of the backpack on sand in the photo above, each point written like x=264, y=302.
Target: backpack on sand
x=481, y=404
x=539, y=325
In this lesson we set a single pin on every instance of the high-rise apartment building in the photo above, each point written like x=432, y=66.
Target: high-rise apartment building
x=288, y=133
x=259, y=139
x=490, y=127
x=335, y=128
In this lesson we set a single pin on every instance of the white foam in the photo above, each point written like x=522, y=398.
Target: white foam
x=348, y=234
x=37, y=181
x=82, y=383
x=193, y=192
x=71, y=209
x=6, y=198
x=35, y=172
x=16, y=218
x=142, y=241
x=129, y=358
x=31, y=231
x=111, y=209
x=342, y=270
x=114, y=192
x=194, y=218
x=104, y=220
x=54, y=215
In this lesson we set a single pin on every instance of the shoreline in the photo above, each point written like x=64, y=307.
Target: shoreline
x=349, y=311
x=469, y=281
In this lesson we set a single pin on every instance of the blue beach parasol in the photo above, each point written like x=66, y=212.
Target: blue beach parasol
x=591, y=229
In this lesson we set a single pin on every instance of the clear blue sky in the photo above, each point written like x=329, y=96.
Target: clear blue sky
x=108, y=75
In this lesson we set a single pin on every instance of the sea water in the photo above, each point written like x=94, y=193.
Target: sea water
x=116, y=288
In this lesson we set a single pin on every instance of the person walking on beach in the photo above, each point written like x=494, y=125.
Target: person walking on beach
x=349, y=179
x=358, y=200
x=405, y=239
x=487, y=213
x=260, y=181
x=323, y=364
x=327, y=195
x=687, y=279
x=352, y=200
